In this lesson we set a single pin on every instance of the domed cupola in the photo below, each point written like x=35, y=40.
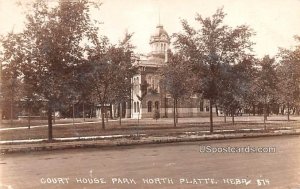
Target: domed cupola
x=159, y=41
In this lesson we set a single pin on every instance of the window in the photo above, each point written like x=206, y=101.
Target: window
x=150, y=106
x=149, y=79
x=134, y=105
x=136, y=85
x=138, y=106
x=156, y=105
x=152, y=83
x=207, y=108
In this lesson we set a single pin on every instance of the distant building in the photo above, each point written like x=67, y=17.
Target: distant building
x=147, y=94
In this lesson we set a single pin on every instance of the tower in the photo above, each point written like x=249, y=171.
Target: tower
x=159, y=42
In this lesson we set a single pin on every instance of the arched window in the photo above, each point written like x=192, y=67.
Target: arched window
x=149, y=106
x=156, y=105
x=138, y=106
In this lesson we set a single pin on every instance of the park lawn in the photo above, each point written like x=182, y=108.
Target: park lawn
x=126, y=121
x=130, y=127
x=24, y=122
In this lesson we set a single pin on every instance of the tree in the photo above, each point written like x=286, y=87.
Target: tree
x=210, y=47
x=229, y=97
x=266, y=83
x=11, y=58
x=111, y=71
x=247, y=73
x=237, y=85
x=122, y=84
x=175, y=80
x=53, y=49
x=81, y=85
x=11, y=93
x=289, y=78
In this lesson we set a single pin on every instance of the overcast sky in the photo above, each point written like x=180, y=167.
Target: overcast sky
x=274, y=21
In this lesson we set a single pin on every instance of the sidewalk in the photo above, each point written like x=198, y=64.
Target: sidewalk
x=127, y=140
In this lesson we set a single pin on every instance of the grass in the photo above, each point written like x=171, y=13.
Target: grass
x=24, y=122
x=147, y=126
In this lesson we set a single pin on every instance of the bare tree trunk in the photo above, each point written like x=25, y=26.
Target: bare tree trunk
x=294, y=111
x=11, y=110
x=120, y=114
x=91, y=111
x=110, y=111
x=83, y=112
x=166, y=115
x=102, y=116
x=225, y=114
x=282, y=110
x=138, y=134
x=265, y=116
x=217, y=110
x=174, y=111
x=50, y=136
x=29, y=117
x=266, y=112
x=232, y=114
x=54, y=115
x=211, y=116
x=265, y=126
x=73, y=113
x=288, y=108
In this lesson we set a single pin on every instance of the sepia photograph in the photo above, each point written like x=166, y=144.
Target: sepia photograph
x=149, y=94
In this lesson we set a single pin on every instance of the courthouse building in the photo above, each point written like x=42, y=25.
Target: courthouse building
x=148, y=96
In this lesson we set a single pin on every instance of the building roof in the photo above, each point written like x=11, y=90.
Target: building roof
x=160, y=34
